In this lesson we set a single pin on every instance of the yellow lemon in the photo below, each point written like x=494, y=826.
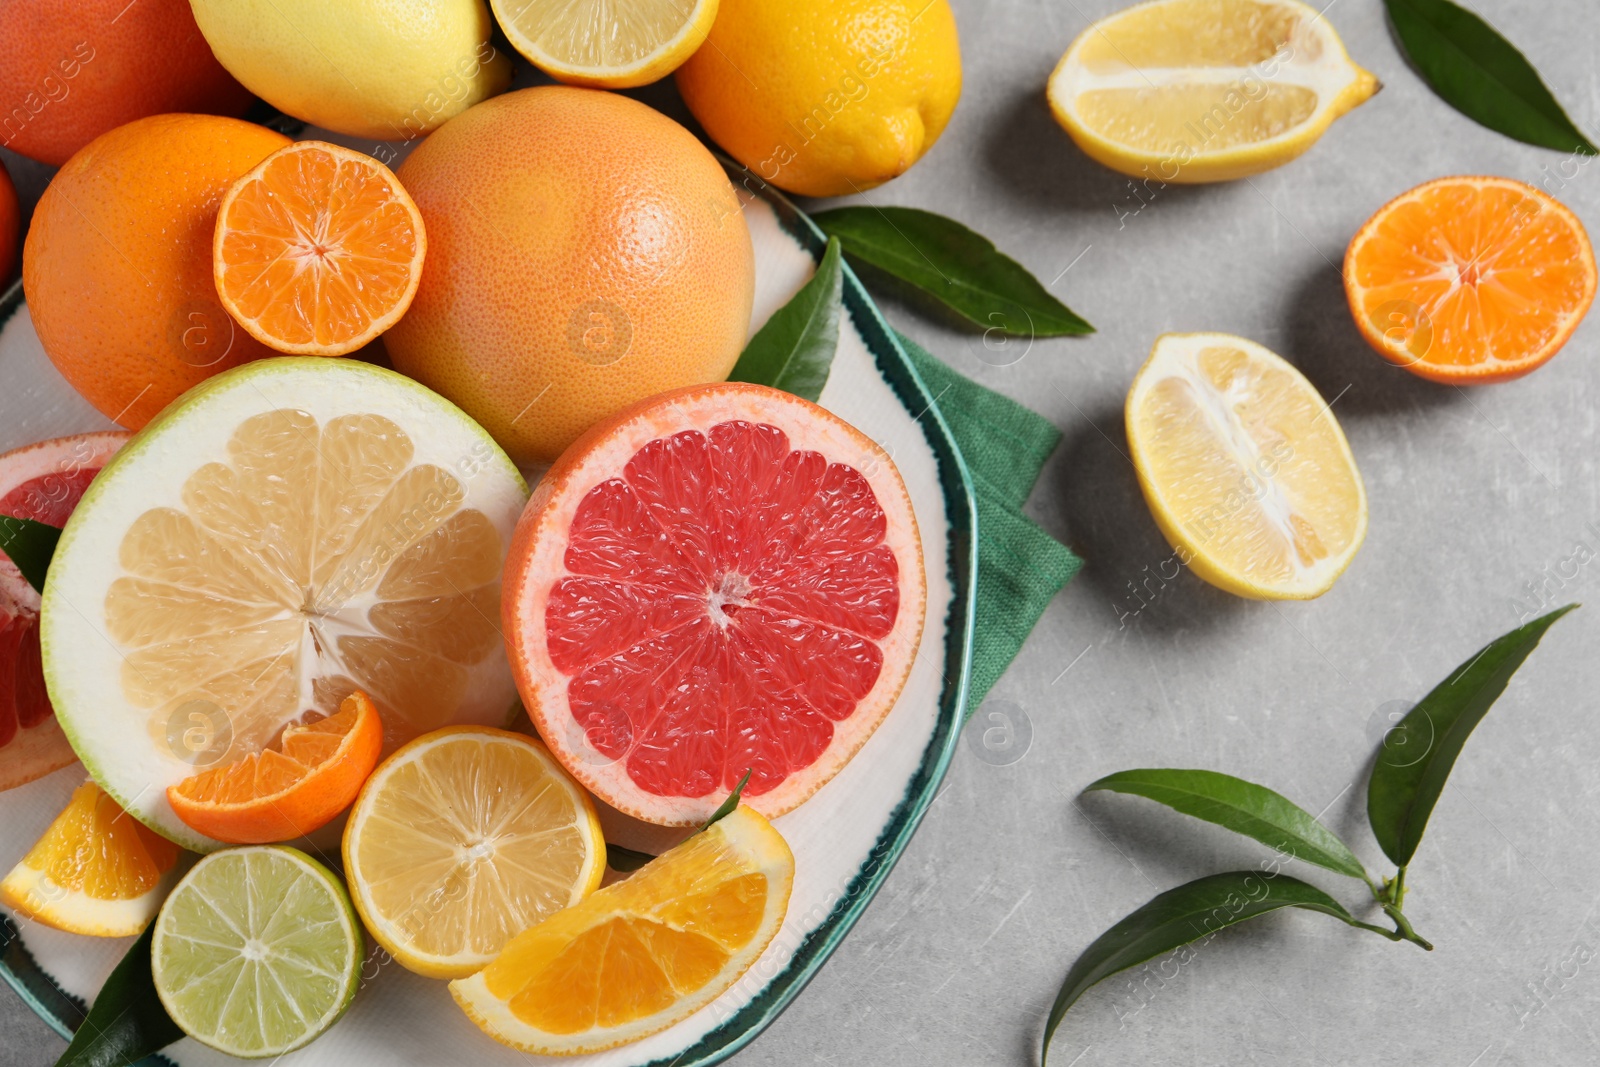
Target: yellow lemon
x=828, y=98
x=1193, y=91
x=385, y=69
x=606, y=44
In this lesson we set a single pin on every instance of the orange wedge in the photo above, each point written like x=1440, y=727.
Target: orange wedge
x=1470, y=280
x=644, y=953
x=95, y=871
x=317, y=250
x=280, y=795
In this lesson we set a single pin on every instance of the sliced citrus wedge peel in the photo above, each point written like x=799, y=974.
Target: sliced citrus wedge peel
x=608, y=44
x=1470, y=280
x=317, y=250
x=284, y=534
x=284, y=793
x=461, y=840
x=641, y=954
x=1190, y=91
x=95, y=871
x=1244, y=467
x=257, y=951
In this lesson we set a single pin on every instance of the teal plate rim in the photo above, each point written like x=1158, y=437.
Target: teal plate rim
x=63, y=1012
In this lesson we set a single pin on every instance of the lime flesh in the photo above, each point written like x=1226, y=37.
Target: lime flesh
x=257, y=951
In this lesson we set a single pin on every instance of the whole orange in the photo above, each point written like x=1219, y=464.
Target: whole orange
x=10, y=221
x=117, y=264
x=584, y=252
x=71, y=71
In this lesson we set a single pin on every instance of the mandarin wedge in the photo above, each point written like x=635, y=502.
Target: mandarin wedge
x=461, y=840
x=644, y=953
x=317, y=250
x=1244, y=467
x=314, y=774
x=1470, y=280
x=95, y=871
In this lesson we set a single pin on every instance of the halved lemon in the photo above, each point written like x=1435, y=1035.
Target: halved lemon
x=641, y=954
x=282, y=535
x=1244, y=467
x=1193, y=91
x=463, y=839
x=609, y=44
x=95, y=871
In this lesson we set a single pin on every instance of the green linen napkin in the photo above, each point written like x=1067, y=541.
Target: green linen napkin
x=1020, y=567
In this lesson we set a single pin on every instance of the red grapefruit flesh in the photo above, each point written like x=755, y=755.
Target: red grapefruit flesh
x=721, y=578
x=42, y=482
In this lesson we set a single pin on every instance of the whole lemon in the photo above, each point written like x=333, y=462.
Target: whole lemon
x=827, y=98
x=584, y=252
x=117, y=264
x=391, y=70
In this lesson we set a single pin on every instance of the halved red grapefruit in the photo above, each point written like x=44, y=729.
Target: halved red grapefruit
x=721, y=578
x=42, y=482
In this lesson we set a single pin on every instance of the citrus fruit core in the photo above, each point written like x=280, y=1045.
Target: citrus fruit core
x=734, y=594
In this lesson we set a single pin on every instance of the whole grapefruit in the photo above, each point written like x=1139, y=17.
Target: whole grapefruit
x=71, y=71
x=584, y=252
x=117, y=264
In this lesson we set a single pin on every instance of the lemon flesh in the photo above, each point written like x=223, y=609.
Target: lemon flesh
x=462, y=840
x=257, y=951
x=611, y=44
x=287, y=533
x=1244, y=467
x=1192, y=91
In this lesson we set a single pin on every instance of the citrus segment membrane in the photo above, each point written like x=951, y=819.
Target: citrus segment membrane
x=462, y=840
x=1465, y=279
x=722, y=579
x=1244, y=466
x=641, y=954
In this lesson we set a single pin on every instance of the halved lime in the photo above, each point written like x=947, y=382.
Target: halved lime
x=257, y=951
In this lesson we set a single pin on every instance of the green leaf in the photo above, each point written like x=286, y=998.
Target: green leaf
x=794, y=349
x=1188, y=913
x=728, y=805
x=1481, y=74
x=961, y=269
x=1418, y=754
x=127, y=1022
x=1243, y=807
x=30, y=545
x=625, y=859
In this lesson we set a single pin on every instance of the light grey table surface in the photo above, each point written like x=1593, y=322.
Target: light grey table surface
x=1474, y=495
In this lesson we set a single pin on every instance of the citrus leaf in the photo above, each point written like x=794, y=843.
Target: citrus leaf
x=794, y=349
x=1419, y=753
x=1175, y=918
x=727, y=806
x=127, y=1022
x=961, y=269
x=1481, y=74
x=625, y=859
x=30, y=545
x=1243, y=807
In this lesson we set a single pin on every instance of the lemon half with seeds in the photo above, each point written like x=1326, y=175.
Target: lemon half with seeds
x=1244, y=467
x=1190, y=91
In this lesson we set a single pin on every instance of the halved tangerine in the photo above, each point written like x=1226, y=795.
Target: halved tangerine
x=284, y=793
x=721, y=578
x=42, y=482
x=317, y=250
x=1470, y=280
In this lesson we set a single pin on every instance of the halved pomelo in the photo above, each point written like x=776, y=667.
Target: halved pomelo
x=41, y=482
x=721, y=578
x=282, y=535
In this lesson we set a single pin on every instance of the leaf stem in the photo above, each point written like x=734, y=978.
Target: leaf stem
x=1403, y=930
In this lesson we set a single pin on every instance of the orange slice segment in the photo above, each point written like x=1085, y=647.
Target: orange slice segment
x=317, y=250
x=95, y=871
x=1470, y=280
x=278, y=795
x=642, y=954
